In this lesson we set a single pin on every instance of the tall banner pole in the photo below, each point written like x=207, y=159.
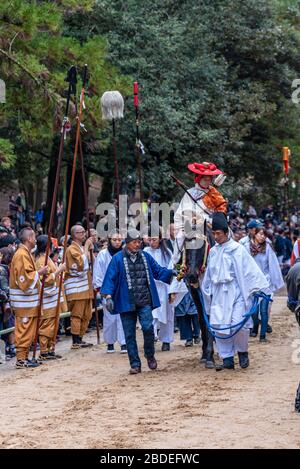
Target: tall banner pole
x=66, y=126
x=286, y=153
x=112, y=105
x=137, y=139
x=78, y=128
x=85, y=193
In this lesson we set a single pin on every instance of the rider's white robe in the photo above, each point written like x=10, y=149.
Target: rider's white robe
x=231, y=277
x=187, y=209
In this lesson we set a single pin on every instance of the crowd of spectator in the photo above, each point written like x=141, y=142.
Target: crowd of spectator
x=282, y=232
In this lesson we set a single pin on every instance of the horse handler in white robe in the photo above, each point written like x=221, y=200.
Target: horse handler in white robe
x=112, y=324
x=231, y=278
x=163, y=317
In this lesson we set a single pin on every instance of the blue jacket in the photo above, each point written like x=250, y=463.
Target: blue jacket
x=186, y=306
x=115, y=282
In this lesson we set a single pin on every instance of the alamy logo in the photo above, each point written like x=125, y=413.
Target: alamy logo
x=2, y=92
x=2, y=350
x=295, y=94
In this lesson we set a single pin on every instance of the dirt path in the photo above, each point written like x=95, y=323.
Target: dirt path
x=88, y=400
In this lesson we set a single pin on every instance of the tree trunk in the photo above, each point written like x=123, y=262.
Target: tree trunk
x=78, y=206
x=38, y=193
x=107, y=189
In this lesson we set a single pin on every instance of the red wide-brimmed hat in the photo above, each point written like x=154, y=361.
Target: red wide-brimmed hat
x=204, y=169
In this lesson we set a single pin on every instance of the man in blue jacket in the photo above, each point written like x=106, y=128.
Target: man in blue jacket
x=130, y=290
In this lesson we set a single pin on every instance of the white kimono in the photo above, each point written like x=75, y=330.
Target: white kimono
x=163, y=317
x=269, y=265
x=185, y=211
x=231, y=277
x=112, y=324
x=188, y=205
x=244, y=240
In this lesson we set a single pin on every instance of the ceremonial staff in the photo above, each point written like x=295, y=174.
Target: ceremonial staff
x=112, y=104
x=138, y=143
x=85, y=193
x=286, y=153
x=67, y=227
x=66, y=126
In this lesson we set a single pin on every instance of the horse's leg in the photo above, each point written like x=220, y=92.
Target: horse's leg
x=297, y=400
x=207, y=339
x=208, y=345
x=210, y=361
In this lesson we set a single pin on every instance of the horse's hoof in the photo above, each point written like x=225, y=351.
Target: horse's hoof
x=209, y=364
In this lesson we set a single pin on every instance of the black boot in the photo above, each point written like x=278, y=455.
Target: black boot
x=262, y=338
x=54, y=355
x=254, y=331
x=297, y=400
x=243, y=359
x=76, y=342
x=228, y=364
x=165, y=347
x=84, y=344
x=203, y=357
x=45, y=356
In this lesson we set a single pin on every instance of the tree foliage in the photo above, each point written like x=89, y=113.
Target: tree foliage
x=35, y=56
x=215, y=84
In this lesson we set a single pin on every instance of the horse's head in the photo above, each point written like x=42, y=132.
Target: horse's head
x=195, y=259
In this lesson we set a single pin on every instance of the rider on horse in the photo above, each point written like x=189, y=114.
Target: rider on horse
x=193, y=239
x=200, y=202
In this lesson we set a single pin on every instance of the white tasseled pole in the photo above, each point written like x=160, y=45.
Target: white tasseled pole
x=112, y=105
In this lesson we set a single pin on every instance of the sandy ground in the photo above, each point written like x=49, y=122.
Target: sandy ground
x=88, y=400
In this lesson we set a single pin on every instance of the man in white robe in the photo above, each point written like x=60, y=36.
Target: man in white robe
x=112, y=324
x=231, y=278
x=163, y=317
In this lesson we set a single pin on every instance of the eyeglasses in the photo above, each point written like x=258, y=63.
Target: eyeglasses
x=80, y=232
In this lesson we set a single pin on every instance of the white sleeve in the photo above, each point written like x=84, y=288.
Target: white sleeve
x=32, y=286
x=99, y=271
x=85, y=263
x=178, y=217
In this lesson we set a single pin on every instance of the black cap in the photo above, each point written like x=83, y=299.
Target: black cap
x=219, y=222
x=132, y=235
